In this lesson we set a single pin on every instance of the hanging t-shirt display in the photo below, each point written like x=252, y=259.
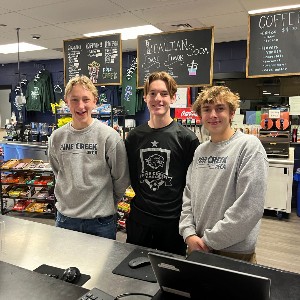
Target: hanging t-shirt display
x=109, y=94
x=58, y=92
x=128, y=97
x=39, y=93
x=34, y=95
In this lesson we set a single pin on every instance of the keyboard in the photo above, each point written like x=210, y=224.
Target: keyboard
x=96, y=294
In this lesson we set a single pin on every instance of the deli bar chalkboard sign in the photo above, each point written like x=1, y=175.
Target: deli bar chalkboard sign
x=99, y=58
x=274, y=44
x=186, y=55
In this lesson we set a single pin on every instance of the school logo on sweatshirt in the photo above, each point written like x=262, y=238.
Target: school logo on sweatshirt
x=155, y=167
x=212, y=162
x=88, y=148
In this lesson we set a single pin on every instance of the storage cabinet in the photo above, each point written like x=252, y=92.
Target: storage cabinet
x=278, y=195
x=27, y=186
x=280, y=184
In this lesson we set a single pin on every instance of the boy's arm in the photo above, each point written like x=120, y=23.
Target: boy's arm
x=119, y=170
x=186, y=224
x=241, y=218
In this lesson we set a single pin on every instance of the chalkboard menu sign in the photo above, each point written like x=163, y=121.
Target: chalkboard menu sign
x=274, y=44
x=186, y=55
x=99, y=58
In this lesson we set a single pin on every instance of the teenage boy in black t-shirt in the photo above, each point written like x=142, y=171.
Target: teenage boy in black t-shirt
x=159, y=154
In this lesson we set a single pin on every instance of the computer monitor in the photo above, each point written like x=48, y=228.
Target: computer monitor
x=183, y=279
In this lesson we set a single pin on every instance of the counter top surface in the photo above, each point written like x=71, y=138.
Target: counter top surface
x=29, y=245
x=25, y=144
x=283, y=161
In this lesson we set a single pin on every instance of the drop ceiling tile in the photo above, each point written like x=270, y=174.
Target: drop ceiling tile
x=74, y=10
x=18, y=5
x=14, y=20
x=227, y=20
x=103, y=23
x=134, y=5
x=200, y=9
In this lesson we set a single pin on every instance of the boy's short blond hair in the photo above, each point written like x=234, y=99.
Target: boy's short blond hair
x=84, y=81
x=164, y=76
x=216, y=94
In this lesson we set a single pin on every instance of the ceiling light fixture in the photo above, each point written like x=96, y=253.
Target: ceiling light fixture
x=23, y=47
x=270, y=9
x=128, y=33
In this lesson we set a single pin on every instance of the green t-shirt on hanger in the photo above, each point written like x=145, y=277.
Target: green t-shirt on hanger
x=128, y=97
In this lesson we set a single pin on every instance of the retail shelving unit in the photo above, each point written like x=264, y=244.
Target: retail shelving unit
x=115, y=112
x=28, y=189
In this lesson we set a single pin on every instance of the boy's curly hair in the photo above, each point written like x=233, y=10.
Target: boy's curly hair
x=215, y=94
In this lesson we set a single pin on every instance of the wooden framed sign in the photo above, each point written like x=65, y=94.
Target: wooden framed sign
x=273, y=45
x=186, y=55
x=99, y=58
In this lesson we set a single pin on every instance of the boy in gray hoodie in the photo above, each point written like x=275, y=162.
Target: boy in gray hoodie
x=90, y=165
x=223, y=201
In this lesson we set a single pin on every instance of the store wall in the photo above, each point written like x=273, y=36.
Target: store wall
x=5, y=110
x=229, y=57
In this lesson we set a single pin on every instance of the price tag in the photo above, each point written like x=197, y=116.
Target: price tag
x=274, y=113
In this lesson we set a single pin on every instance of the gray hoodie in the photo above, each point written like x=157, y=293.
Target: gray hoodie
x=224, y=196
x=90, y=168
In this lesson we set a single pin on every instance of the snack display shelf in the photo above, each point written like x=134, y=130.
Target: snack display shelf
x=28, y=189
x=28, y=205
x=26, y=184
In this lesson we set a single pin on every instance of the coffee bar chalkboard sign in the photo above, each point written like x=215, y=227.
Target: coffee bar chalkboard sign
x=186, y=55
x=274, y=44
x=99, y=58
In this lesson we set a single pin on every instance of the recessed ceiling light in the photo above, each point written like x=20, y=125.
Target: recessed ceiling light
x=23, y=47
x=128, y=33
x=269, y=9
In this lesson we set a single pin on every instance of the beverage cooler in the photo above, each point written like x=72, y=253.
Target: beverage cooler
x=275, y=137
x=275, y=131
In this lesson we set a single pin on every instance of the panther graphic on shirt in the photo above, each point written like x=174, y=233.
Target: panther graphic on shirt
x=155, y=167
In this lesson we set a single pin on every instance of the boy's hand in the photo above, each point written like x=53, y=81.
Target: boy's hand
x=196, y=243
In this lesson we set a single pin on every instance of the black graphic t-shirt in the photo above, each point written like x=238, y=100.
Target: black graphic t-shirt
x=158, y=162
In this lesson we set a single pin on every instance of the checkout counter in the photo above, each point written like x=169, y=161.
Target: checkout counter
x=29, y=245
x=20, y=150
